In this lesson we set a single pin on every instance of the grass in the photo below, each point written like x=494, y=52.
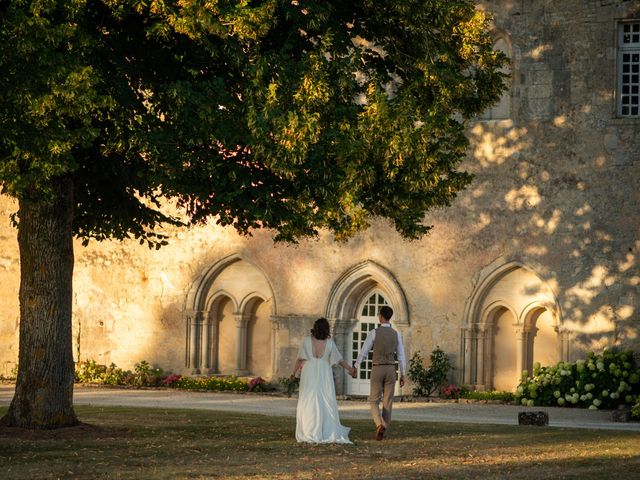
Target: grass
x=134, y=443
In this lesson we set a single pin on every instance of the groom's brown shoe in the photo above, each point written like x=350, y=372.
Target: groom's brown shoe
x=380, y=432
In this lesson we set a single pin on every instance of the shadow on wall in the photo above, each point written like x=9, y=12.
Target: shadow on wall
x=559, y=198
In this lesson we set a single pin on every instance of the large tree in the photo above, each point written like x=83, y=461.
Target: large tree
x=292, y=115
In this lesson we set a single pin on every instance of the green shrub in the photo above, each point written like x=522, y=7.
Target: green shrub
x=291, y=384
x=488, y=395
x=90, y=371
x=231, y=382
x=601, y=381
x=146, y=376
x=635, y=410
x=114, y=375
x=428, y=380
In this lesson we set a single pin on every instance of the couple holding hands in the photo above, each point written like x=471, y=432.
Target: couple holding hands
x=317, y=419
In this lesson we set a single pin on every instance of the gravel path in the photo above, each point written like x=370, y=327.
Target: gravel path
x=349, y=409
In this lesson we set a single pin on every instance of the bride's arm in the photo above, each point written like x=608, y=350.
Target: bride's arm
x=297, y=367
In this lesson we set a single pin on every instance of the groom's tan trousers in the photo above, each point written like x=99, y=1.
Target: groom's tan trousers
x=383, y=383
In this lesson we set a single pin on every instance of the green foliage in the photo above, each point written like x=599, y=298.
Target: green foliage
x=488, y=395
x=290, y=384
x=144, y=375
x=428, y=380
x=212, y=383
x=635, y=410
x=12, y=374
x=89, y=371
x=604, y=381
x=242, y=111
x=114, y=375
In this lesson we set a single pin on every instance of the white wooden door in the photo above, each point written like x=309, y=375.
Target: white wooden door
x=367, y=321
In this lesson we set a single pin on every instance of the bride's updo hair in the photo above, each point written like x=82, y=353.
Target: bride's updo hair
x=321, y=329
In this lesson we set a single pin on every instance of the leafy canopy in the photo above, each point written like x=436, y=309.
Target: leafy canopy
x=291, y=115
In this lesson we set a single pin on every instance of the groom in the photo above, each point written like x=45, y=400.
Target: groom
x=386, y=343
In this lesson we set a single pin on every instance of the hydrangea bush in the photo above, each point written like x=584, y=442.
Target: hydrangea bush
x=602, y=381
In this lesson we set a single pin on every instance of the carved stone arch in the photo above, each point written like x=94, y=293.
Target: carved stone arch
x=478, y=345
x=348, y=290
x=199, y=290
x=212, y=300
x=247, y=302
x=498, y=34
x=487, y=318
x=544, y=334
x=501, y=110
x=526, y=315
x=345, y=298
x=478, y=334
x=232, y=278
x=260, y=332
x=487, y=279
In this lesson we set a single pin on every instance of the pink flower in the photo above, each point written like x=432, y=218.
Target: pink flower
x=171, y=379
x=256, y=383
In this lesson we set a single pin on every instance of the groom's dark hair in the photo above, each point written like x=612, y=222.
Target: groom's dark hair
x=386, y=312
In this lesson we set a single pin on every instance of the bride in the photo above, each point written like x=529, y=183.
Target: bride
x=317, y=419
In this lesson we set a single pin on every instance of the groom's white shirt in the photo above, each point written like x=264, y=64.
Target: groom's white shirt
x=368, y=344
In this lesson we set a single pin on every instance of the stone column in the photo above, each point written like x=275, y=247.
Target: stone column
x=480, y=363
x=214, y=345
x=488, y=356
x=275, y=326
x=467, y=335
x=194, y=333
x=341, y=330
x=521, y=347
x=241, y=344
x=205, y=361
x=565, y=344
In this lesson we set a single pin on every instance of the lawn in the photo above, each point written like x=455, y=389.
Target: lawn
x=124, y=443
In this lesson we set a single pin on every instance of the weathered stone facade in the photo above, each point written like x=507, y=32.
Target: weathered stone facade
x=536, y=260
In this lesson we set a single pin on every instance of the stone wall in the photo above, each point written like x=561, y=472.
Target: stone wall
x=544, y=243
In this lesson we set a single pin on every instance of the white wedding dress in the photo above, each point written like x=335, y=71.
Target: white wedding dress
x=317, y=419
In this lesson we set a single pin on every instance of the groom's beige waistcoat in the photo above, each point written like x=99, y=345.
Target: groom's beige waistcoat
x=385, y=345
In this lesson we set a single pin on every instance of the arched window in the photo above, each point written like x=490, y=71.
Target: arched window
x=502, y=109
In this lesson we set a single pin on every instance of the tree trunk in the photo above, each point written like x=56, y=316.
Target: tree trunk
x=44, y=387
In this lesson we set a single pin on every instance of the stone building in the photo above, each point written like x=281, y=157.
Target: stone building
x=538, y=260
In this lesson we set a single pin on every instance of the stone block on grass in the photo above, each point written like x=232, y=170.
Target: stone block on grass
x=539, y=419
